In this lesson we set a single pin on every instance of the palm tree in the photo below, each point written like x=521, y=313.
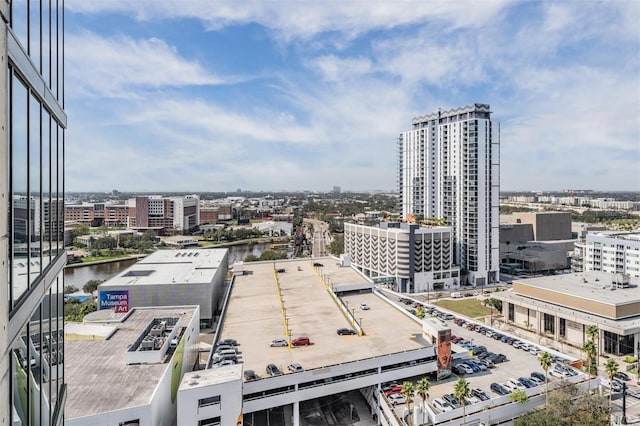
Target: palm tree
x=611, y=367
x=461, y=391
x=545, y=363
x=422, y=389
x=589, y=349
x=408, y=391
x=594, y=334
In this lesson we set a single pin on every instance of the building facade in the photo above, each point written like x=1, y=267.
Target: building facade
x=173, y=214
x=449, y=168
x=609, y=251
x=419, y=259
x=33, y=120
x=97, y=214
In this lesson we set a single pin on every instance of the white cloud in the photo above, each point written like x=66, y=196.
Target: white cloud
x=333, y=68
x=112, y=67
x=305, y=19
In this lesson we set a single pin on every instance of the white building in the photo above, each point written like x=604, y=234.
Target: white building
x=170, y=278
x=449, y=168
x=127, y=367
x=420, y=259
x=609, y=251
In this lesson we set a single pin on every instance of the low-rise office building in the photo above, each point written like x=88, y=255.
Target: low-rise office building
x=417, y=258
x=169, y=278
x=563, y=306
x=126, y=368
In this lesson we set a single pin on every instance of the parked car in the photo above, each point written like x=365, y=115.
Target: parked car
x=294, y=367
x=480, y=394
x=499, y=389
x=301, y=341
x=534, y=350
x=451, y=399
x=504, y=339
x=364, y=307
x=222, y=348
x=538, y=376
x=487, y=362
x=463, y=369
x=449, y=316
x=441, y=405
x=527, y=382
x=478, y=364
x=231, y=342
x=224, y=362
x=273, y=370
x=279, y=342
x=468, y=400
x=514, y=384
x=622, y=376
x=317, y=265
x=345, y=331
x=517, y=343
x=250, y=375
x=397, y=398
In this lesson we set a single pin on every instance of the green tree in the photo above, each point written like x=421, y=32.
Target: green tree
x=408, y=391
x=70, y=289
x=594, y=334
x=336, y=247
x=91, y=286
x=518, y=396
x=589, y=349
x=422, y=390
x=251, y=258
x=273, y=255
x=611, y=367
x=545, y=362
x=461, y=390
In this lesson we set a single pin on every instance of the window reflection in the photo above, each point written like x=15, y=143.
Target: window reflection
x=20, y=210
x=34, y=202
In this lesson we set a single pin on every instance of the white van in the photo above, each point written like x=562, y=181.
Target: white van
x=456, y=295
x=441, y=405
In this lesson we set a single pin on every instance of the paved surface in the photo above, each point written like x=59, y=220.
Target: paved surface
x=254, y=318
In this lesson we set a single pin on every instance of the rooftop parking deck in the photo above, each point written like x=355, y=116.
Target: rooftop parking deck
x=255, y=317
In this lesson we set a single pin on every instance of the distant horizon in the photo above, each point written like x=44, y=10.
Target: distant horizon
x=342, y=191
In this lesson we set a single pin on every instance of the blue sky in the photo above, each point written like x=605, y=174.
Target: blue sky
x=304, y=95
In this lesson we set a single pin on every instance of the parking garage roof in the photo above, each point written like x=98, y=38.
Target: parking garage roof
x=254, y=316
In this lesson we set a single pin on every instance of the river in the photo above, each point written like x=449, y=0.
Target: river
x=79, y=275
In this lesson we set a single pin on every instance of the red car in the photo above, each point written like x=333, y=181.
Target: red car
x=301, y=341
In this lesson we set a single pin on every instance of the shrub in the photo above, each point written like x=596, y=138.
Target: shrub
x=630, y=359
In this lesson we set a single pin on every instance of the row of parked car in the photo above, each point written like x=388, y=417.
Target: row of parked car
x=226, y=353
x=429, y=310
x=299, y=341
x=449, y=402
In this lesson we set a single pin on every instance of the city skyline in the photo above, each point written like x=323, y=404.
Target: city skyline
x=266, y=97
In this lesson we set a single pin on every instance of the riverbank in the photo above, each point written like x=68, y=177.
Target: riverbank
x=107, y=260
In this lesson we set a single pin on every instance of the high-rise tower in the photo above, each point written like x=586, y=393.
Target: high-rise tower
x=449, y=168
x=32, y=255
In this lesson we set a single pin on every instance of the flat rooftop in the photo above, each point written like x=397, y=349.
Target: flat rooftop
x=172, y=267
x=588, y=292
x=254, y=316
x=96, y=372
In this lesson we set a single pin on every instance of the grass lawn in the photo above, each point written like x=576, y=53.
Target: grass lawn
x=470, y=307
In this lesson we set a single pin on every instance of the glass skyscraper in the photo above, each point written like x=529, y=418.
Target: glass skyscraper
x=32, y=256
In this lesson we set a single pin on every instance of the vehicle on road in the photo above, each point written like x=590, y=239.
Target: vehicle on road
x=345, y=331
x=364, y=307
x=397, y=398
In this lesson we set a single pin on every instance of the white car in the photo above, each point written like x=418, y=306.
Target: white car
x=464, y=368
x=364, y=307
x=279, y=342
x=441, y=405
x=471, y=399
x=295, y=367
x=514, y=384
x=397, y=398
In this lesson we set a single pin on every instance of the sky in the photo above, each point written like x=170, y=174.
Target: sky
x=261, y=95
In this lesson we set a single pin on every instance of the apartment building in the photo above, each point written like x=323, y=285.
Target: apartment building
x=449, y=168
x=418, y=259
x=609, y=251
x=180, y=214
x=33, y=122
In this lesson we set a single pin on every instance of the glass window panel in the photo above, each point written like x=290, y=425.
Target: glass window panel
x=35, y=200
x=54, y=183
x=19, y=20
x=46, y=41
x=54, y=48
x=19, y=168
x=60, y=175
x=34, y=33
x=21, y=379
x=47, y=200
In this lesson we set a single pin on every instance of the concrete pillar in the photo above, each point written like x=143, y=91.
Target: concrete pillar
x=296, y=413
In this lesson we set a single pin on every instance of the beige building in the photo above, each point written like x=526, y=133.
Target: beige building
x=563, y=306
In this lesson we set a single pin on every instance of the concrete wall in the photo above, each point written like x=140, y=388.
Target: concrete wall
x=547, y=225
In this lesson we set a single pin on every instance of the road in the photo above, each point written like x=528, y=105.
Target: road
x=320, y=237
